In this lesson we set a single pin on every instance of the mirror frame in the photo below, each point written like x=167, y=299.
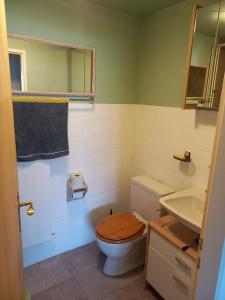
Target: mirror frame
x=189, y=54
x=65, y=45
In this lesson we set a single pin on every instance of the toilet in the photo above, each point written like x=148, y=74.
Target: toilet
x=122, y=236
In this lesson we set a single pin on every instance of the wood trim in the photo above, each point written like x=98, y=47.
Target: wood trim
x=93, y=71
x=44, y=93
x=199, y=66
x=189, y=53
x=11, y=271
x=39, y=99
x=47, y=41
x=177, y=234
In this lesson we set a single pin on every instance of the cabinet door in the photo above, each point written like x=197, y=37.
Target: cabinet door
x=166, y=279
x=175, y=256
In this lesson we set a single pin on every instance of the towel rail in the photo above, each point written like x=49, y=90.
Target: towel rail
x=72, y=98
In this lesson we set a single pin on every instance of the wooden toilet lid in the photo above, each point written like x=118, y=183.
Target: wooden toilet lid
x=120, y=227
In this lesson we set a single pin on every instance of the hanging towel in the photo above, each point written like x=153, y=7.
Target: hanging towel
x=40, y=127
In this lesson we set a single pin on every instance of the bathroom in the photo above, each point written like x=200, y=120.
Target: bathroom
x=132, y=123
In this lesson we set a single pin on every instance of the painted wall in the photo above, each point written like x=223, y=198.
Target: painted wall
x=132, y=52
x=163, y=55
x=113, y=34
x=202, y=48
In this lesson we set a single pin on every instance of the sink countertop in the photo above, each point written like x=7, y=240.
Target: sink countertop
x=177, y=233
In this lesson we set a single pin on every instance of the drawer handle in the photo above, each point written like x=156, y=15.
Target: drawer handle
x=181, y=282
x=181, y=262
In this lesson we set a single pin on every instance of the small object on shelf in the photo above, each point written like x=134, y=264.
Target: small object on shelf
x=186, y=157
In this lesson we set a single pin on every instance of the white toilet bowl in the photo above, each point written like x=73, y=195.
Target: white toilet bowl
x=123, y=239
x=126, y=256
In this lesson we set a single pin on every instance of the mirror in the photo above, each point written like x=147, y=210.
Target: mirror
x=201, y=73
x=50, y=68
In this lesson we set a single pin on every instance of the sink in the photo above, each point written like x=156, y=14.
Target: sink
x=187, y=206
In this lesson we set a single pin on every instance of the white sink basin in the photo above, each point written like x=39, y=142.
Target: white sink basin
x=187, y=206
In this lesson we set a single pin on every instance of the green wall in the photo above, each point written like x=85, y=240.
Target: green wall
x=113, y=34
x=163, y=54
x=202, y=49
x=139, y=60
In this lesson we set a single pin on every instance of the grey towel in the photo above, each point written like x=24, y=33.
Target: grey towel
x=41, y=130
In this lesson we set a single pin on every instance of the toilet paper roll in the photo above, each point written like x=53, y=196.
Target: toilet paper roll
x=78, y=195
x=76, y=180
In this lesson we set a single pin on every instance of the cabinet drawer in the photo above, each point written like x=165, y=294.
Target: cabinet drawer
x=175, y=256
x=166, y=279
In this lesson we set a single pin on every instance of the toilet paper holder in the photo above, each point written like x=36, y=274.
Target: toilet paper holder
x=76, y=193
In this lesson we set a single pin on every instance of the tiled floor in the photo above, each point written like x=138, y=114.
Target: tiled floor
x=77, y=275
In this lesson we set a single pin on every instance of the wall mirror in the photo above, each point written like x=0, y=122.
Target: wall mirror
x=206, y=67
x=41, y=67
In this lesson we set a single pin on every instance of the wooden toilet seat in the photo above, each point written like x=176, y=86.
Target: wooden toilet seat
x=119, y=228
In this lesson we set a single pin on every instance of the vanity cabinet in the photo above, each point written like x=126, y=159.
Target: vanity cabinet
x=170, y=270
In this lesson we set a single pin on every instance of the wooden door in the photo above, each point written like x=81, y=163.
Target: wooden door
x=213, y=232
x=11, y=271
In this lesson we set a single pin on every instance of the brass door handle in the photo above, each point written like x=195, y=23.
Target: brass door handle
x=30, y=209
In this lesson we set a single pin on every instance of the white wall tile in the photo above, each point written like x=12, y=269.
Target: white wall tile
x=162, y=132
x=109, y=144
x=101, y=141
x=34, y=183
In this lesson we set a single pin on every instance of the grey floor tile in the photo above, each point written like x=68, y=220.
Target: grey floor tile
x=83, y=258
x=133, y=291
x=46, y=274
x=97, y=285
x=33, y=280
x=67, y=290
x=77, y=275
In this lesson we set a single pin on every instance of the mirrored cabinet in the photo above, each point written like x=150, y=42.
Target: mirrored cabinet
x=207, y=57
x=61, y=69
